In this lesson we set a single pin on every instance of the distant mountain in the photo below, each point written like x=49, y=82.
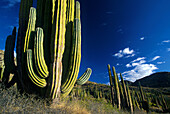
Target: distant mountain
x=156, y=80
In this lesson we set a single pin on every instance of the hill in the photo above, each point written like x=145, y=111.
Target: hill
x=156, y=80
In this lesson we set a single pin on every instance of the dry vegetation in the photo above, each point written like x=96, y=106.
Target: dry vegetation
x=13, y=102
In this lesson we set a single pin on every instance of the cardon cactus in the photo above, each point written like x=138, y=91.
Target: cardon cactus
x=48, y=48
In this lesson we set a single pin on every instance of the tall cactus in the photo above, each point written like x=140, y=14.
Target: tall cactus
x=111, y=84
x=116, y=88
x=129, y=98
x=125, y=91
x=48, y=48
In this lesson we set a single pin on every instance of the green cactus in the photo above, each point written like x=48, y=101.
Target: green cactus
x=9, y=52
x=129, y=98
x=116, y=88
x=111, y=84
x=85, y=77
x=49, y=46
x=125, y=92
x=121, y=95
x=164, y=105
x=141, y=92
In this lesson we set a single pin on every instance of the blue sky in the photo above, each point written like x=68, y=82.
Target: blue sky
x=132, y=35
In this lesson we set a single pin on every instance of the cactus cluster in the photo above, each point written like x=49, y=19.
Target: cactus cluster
x=131, y=100
x=48, y=49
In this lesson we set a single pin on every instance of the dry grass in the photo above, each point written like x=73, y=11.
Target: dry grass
x=13, y=102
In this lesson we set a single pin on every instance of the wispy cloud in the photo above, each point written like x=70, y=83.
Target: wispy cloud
x=142, y=38
x=160, y=62
x=155, y=58
x=117, y=64
x=138, y=61
x=109, y=12
x=128, y=65
x=140, y=71
x=125, y=53
x=104, y=24
x=166, y=41
x=10, y=3
x=168, y=49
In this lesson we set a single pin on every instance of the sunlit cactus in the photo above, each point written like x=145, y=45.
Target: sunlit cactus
x=116, y=88
x=48, y=48
x=85, y=77
x=111, y=84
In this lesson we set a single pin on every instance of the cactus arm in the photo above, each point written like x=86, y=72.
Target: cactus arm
x=70, y=10
x=40, y=64
x=9, y=54
x=69, y=79
x=75, y=60
x=85, y=77
x=30, y=28
x=34, y=78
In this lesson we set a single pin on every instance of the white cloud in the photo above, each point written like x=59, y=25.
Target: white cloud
x=128, y=65
x=155, y=58
x=139, y=63
x=117, y=64
x=140, y=71
x=142, y=38
x=125, y=52
x=160, y=62
x=138, y=59
x=11, y=3
x=136, y=62
x=166, y=41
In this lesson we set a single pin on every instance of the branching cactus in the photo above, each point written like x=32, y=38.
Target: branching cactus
x=48, y=48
